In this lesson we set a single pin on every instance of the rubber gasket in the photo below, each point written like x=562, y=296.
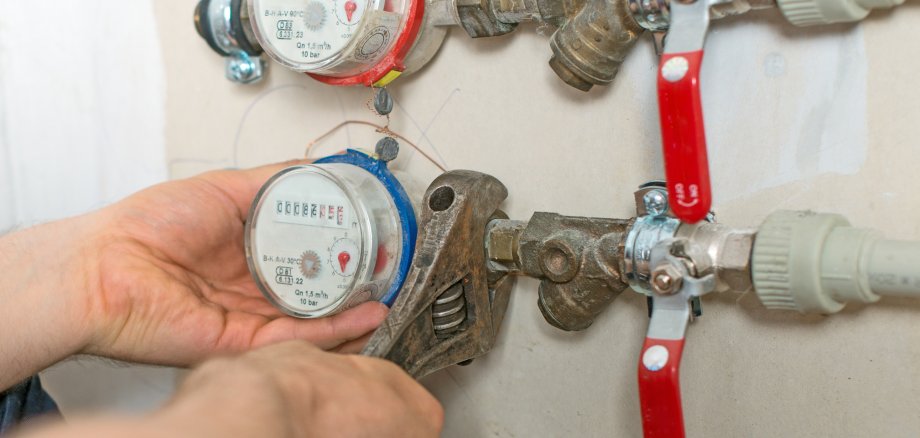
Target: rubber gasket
x=237, y=31
x=204, y=20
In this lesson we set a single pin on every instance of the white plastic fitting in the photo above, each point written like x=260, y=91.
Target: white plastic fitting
x=814, y=12
x=817, y=263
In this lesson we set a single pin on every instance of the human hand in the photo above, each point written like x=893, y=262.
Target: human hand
x=294, y=389
x=173, y=286
x=291, y=389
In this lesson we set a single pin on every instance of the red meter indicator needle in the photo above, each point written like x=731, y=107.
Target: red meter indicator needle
x=344, y=258
x=350, y=8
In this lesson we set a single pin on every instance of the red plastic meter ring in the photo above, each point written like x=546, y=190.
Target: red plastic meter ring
x=391, y=66
x=343, y=42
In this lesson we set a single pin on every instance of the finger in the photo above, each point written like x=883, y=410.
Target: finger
x=241, y=186
x=355, y=346
x=326, y=333
x=409, y=390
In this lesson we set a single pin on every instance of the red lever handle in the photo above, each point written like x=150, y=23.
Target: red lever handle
x=659, y=388
x=684, y=137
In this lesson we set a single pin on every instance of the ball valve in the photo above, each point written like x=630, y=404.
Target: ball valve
x=804, y=261
x=679, y=97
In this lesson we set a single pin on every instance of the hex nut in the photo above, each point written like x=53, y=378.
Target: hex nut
x=666, y=280
x=734, y=263
x=503, y=244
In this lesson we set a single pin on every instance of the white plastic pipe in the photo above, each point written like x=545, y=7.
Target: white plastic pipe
x=894, y=268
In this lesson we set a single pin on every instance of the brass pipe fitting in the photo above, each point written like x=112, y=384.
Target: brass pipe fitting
x=589, y=48
x=576, y=258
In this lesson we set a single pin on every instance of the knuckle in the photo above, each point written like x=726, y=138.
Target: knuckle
x=436, y=414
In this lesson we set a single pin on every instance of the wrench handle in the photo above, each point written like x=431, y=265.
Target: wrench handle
x=659, y=388
x=684, y=136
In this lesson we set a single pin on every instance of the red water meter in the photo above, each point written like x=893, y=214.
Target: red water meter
x=345, y=42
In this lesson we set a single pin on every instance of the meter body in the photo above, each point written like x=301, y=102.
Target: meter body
x=346, y=42
x=324, y=237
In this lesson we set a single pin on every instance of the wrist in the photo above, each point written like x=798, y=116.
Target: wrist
x=49, y=277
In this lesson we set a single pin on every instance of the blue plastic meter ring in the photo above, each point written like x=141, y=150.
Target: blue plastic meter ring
x=407, y=221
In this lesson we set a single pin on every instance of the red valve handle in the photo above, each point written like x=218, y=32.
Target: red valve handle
x=659, y=388
x=684, y=136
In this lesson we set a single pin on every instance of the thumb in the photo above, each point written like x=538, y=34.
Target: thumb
x=241, y=186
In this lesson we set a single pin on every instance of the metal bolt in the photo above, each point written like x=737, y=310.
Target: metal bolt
x=387, y=149
x=244, y=69
x=666, y=280
x=383, y=102
x=656, y=202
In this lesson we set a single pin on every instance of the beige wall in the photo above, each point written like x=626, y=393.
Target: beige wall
x=800, y=119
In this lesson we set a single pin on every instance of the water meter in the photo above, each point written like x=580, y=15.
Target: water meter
x=324, y=237
x=339, y=42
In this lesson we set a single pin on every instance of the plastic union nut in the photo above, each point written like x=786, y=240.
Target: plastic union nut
x=815, y=12
x=813, y=263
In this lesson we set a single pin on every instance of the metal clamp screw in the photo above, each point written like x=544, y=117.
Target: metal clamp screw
x=243, y=68
x=656, y=202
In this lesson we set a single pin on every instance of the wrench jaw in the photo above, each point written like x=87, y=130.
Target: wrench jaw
x=448, y=311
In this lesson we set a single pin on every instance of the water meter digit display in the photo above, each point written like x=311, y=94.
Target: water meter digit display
x=322, y=238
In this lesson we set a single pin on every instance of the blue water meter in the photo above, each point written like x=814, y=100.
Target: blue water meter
x=327, y=236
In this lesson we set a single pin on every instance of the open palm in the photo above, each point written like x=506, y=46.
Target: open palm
x=173, y=284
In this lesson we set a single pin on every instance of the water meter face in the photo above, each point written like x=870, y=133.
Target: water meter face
x=322, y=238
x=330, y=37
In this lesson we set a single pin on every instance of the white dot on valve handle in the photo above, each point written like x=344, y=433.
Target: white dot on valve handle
x=675, y=69
x=655, y=358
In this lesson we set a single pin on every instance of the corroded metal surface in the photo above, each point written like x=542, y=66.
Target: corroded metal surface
x=590, y=47
x=450, y=310
x=593, y=37
x=577, y=259
x=478, y=19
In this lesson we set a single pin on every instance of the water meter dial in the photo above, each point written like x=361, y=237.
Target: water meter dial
x=324, y=237
x=341, y=42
